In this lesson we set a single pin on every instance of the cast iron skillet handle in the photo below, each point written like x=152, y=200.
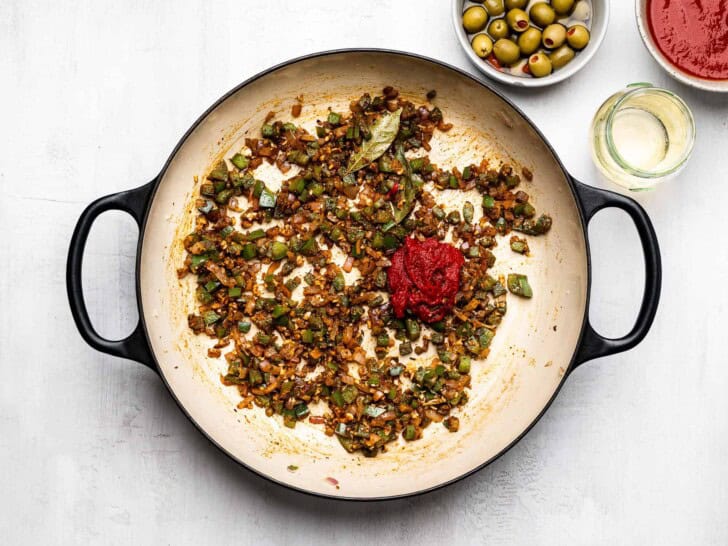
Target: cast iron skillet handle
x=136, y=346
x=592, y=344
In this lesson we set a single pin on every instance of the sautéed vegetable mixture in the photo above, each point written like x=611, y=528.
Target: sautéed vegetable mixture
x=324, y=296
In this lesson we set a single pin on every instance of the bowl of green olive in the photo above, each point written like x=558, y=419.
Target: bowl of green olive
x=530, y=43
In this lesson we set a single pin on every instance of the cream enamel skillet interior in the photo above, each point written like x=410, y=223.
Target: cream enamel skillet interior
x=539, y=343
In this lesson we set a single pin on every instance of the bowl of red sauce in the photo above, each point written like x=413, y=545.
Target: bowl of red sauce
x=688, y=38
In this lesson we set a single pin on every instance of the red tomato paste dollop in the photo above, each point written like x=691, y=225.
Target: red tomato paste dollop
x=692, y=34
x=424, y=277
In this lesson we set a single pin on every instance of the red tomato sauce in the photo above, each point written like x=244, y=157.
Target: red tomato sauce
x=424, y=277
x=692, y=34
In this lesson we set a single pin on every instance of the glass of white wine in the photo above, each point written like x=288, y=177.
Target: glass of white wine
x=641, y=136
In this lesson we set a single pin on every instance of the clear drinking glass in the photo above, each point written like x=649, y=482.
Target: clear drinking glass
x=641, y=136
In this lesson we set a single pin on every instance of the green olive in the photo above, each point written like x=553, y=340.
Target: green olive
x=577, y=36
x=494, y=7
x=506, y=51
x=554, y=36
x=516, y=4
x=482, y=45
x=542, y=14
x=498, y=28
x=474, y=19
x=517, y=19
x=561, y=56
x=539, y=65
x=529, y=41
x=562, y=7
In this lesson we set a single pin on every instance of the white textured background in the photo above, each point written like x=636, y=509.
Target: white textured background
x=94, y=96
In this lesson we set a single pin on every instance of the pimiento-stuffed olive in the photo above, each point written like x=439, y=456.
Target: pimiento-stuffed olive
x=474, y=19
x=482, y=45
x=506, y=51
x=561, y=56
x=517, y=19
x=554, y=36
x=494, y=7
x=577, y=36
x=498, y=29
x=539, y=65
x=529, y=41
x=542, y=14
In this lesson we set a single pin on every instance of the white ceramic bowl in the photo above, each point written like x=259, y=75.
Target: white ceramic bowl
x=720, y=86
x=600, y=18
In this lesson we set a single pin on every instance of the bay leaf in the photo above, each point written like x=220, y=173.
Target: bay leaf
x=383, y=131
